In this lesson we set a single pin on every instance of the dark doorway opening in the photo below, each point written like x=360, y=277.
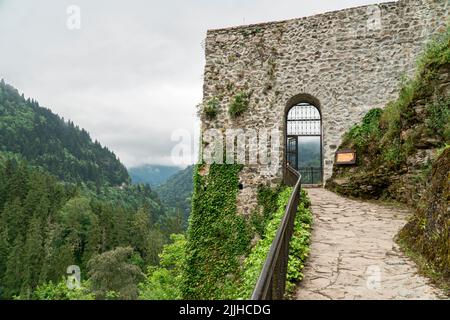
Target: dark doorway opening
x=304, y=142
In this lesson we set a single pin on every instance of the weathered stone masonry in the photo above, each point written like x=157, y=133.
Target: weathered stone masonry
x=345, y=62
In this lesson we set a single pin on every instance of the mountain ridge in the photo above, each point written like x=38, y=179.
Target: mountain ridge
x=154, y=175
x=45, y=139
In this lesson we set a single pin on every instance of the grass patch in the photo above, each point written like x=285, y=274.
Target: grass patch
x=425, y=268
x=239, y=104
x=211, y=108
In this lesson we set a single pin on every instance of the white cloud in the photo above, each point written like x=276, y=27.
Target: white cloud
x=133, y=73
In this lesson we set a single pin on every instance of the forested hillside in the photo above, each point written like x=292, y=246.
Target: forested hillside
x=176, y=192
x=154, y=175
x=46, y=226
x=46, y=140
x=65, y=201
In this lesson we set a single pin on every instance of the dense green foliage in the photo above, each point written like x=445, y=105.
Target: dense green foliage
x=168, y=280
x=299, y=246
x=132, y=197
x=268, y=201
x=221, y=260
x=60, y=291
x=114, y=273
x=217, y=236
x=45, y=226
x=239, y=104
x=164, y=282
x=60, y=147
x=176, y=192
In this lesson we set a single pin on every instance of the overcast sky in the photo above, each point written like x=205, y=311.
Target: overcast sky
x=132, y=74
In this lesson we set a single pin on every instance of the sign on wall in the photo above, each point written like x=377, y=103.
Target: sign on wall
x=346, y=157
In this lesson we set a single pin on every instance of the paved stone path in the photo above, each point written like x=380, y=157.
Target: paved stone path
x=354, y=255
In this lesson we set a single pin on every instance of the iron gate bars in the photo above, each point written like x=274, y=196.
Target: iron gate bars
x=304, y=120
x=311, y=175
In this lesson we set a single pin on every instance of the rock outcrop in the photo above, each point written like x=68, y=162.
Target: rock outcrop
x=403, y=154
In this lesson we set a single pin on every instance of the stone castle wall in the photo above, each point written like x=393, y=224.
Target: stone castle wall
x=345, y=62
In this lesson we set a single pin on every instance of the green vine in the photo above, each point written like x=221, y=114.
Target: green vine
x=220, y=263
x=217, y=236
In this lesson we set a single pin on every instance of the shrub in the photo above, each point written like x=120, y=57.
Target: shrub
x=239, y=104
x=299, y=246
x=164, y=282
x=393, y=154
x=113, y=272
x=362, y=134
x=437, y=52
x=60, y=291
x=438, y=118
x=211, y=108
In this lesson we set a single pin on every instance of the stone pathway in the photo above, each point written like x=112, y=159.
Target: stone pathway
x=354, y=255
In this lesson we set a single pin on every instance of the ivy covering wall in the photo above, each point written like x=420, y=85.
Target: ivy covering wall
x=217, y=236
x=222, y=261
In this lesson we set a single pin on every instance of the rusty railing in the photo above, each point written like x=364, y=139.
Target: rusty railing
x=271, y=283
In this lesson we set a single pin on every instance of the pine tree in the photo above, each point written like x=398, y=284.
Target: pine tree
x=140, y=229
x=15, y=269
x=153, y=246
x=93, y=241
x=14, y=217
x=33, y=256
x=120, y=224
x=50, y=232
x=4, y=251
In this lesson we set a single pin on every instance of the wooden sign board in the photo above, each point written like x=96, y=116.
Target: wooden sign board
x=346, y=157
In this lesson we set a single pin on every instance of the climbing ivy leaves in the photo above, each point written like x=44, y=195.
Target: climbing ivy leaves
x=221, y=264
x=217, y=236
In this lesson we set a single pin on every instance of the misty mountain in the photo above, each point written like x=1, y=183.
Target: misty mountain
x=154, y=175
x=176, y=192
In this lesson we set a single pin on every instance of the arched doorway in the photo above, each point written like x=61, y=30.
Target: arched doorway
x=304, y=141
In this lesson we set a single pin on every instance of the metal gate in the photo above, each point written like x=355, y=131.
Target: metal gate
x=304, y=142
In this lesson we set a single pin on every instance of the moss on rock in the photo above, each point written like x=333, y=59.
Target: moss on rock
x=428, y=231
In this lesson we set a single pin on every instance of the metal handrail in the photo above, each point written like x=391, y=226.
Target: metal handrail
x=271, y=283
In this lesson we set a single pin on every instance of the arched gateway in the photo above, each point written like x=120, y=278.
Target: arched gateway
x=351, y=61
x=304, y=141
